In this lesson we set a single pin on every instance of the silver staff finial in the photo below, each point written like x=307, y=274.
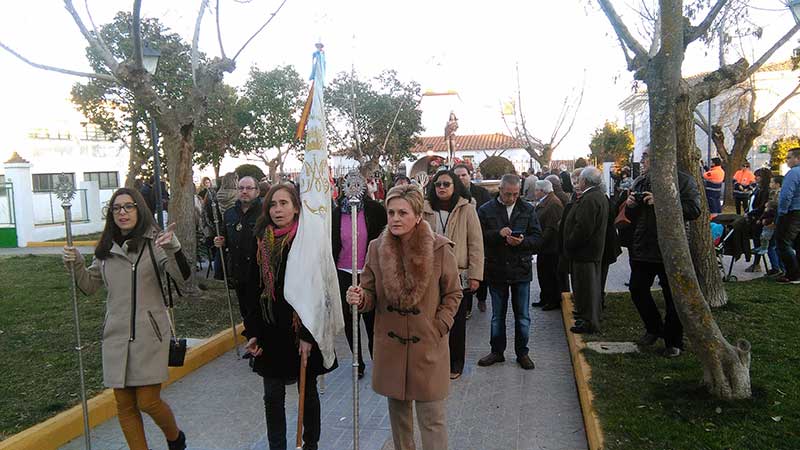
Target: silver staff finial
x=65, y=191
x=354, y=185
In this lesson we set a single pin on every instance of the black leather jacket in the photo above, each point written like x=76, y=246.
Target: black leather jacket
x=644, y=244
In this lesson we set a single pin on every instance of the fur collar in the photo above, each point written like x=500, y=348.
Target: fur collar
x=407, y=266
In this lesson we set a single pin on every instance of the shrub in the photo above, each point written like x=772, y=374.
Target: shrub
x=779, y=150
x=250, y=170
x=494, y=167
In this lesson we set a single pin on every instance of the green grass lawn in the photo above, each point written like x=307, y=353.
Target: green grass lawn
x=648, y=402
x=38, y=364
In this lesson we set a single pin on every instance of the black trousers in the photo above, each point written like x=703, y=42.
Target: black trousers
x=642, y=277
x=481, y=293
x=275, y=409
x=247, y=293
x=458, y=334
x=345, y=281
x=787, y=239
x=547, y=272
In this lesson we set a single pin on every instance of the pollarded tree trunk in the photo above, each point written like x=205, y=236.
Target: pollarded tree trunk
x=726, y=368
x=179, y=147
x=700, y=243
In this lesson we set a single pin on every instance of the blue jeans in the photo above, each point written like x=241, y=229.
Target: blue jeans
x=772, y=253
x=520, y=303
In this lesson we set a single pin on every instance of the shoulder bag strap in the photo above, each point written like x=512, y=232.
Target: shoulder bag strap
x=169, y=303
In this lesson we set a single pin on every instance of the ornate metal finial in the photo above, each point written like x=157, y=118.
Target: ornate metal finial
x=354, y=185
x=65, y=191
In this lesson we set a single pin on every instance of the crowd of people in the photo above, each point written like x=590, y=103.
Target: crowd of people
x=424, y=248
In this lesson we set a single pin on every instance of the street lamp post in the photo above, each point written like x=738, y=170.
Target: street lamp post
x=794, y=6
x=150, y=61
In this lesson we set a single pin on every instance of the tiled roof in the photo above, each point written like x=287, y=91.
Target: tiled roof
x=496, y=141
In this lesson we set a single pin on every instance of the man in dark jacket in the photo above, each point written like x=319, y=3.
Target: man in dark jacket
x=558, y=190
x=584, y=242
x=566, y=180
x=240, y=243
x=548, y=213
x=511, y=235
x=646, y=261
x=481, y=196
x=371, y=220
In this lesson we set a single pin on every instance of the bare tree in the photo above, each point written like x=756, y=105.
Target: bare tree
x=539, y=149
x=672, y=102
x=176, y=119
x=741, y=112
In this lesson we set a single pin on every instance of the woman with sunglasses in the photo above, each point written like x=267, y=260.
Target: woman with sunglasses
x=451, y=213
x=136, y=332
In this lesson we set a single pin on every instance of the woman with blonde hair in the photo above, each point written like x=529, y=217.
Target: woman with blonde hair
x=410, y=279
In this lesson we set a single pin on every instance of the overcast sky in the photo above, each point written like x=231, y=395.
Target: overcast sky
x=469, y=47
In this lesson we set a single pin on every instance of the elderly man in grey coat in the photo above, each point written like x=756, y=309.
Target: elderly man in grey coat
x=584, y=241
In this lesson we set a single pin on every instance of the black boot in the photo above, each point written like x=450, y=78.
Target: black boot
x=178, y=444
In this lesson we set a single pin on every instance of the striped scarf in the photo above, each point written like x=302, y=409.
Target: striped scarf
x=270, y=254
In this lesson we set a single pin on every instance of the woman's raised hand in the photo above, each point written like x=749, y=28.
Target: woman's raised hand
x=355, y=295
x=70, y=256
x=165, y=236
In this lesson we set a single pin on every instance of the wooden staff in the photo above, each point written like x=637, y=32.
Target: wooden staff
x=302, y=406
x=221, y=250
x=65, y=192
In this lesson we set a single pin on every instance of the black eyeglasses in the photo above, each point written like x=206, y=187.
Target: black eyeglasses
x=246, y=188
x=128, y=207
x=443, y=184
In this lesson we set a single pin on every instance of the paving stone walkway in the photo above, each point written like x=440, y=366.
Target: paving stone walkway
x=220, y=405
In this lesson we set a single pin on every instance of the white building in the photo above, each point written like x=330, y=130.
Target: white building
x=772, y=83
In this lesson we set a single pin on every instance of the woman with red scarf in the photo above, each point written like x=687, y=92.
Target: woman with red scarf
x=276, y=337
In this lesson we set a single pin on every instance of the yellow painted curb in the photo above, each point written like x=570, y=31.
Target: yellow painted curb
x=583, y=373
x=63, y=243
x=66, y=426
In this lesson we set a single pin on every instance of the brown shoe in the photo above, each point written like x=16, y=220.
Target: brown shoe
x=482, y=306
x=490, y=359
x=525, y=362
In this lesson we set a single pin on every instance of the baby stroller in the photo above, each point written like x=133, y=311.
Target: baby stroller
x=733, y=241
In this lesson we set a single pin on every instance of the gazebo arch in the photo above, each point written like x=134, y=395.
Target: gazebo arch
x=423, y=164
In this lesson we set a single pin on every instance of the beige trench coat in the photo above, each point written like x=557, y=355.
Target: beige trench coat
x=464, y=229
x=415, y=291
x=143, y=360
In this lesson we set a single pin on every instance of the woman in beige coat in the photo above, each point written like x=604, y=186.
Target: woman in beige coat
x=450, y=213
x=410, y=279
x=136, y=332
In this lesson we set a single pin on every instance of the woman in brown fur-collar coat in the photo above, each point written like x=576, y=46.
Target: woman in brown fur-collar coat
x=411, y=281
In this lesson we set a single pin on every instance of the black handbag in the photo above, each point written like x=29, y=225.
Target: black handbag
x=177, y=346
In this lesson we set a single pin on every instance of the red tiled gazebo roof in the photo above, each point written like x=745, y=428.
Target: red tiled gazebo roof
x=496, y=141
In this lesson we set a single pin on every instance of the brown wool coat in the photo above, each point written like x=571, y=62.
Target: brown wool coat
x=415, y=291
x=464, y=229
x=143, y=361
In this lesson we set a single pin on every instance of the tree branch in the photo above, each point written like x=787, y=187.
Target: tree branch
x=553, y=146
x=137, y=34
x=196, y=40
x=769, y=115
x=622, y=31
x=98, y=76
x=695, y=32
x=761, y=61
x=272, y=16
x=219, y=33
x=108, y=58
x=94, y=27
x=700, y=120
